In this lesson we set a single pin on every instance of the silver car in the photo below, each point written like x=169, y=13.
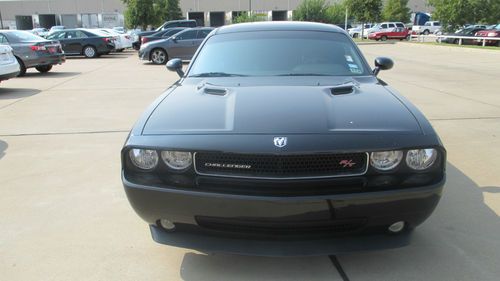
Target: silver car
x=182, y=45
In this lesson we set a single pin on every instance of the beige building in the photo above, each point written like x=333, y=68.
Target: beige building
x=27, y=14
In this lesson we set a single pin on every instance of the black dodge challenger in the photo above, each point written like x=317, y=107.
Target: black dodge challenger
x=280, y=140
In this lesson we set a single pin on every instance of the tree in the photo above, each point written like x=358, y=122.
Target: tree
x=246, y=17
x=456, y=13
x=173, y=10
x=139, y=13
x=365, y=10
x=312, y=10
x=151, y=12
x=336, y=13
x=396, y=10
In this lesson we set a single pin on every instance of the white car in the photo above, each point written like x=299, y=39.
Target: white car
x=9, y=67
x=42, y=32
x=123, y=41
x=355, y=32
x=428, y=28
x=384, y=26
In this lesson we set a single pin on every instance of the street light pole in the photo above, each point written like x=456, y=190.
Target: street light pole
x=250, y=6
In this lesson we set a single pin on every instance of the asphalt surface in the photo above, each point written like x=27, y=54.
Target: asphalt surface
x=64, y=215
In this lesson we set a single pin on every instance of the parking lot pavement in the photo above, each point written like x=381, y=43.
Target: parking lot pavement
x=64, y=215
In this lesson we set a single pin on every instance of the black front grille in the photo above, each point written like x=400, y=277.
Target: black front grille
x=280, y=166
x=281, y=229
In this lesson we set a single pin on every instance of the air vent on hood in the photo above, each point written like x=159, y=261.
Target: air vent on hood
x=216, y=92
x=342, y=90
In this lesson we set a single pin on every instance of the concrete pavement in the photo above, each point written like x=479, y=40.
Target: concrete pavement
x=64, y=215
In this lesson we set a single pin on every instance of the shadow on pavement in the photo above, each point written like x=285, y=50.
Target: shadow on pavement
x=16, y=93
x=201, y=267
x=460, y=241
x=54, y=73
x=3, y=148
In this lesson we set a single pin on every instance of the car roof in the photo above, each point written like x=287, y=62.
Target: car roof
x=278, y=26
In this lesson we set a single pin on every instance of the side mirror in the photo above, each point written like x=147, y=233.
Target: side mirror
x=175, y=65
x=174, y=39
x=382, y=63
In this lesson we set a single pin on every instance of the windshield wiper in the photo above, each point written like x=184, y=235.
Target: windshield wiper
x=217, y=74
x=303, y=74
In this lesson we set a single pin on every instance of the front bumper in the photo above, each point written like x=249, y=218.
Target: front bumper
x=374, y=211
x=143, y=54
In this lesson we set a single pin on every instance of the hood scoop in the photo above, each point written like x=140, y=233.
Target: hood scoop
x=342, y=90
x=214, y=90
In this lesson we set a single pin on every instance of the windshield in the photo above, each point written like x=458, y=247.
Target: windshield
x=278, y=53
x=23, y=36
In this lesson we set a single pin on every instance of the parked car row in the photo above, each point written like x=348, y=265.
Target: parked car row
x=471, y=33
x=182, y=45
x=32, y=51
x=166, y=25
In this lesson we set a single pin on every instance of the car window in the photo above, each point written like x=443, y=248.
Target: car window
x=171, y=32
x=400, y=25
x=383, y=25
x=59, y=35
x=170, y=25
x=22, y=36
x=203, y=33
x=437, y=23
x=190, y=34
x=280, y=53
x=75, y=34
x=3, y=39
x=71, y=34
x=188, y=24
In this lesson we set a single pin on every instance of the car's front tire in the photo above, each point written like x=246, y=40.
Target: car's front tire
x=89, y=51
x=159, y=56
x=43, y=68
x=426, y=32
x=383, y=38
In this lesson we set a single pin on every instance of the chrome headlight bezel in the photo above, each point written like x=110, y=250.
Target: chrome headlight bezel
x=428, y=158
x=144, y=159
x=386, y=161
x=178, y=161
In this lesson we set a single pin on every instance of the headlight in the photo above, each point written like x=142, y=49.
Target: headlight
x=421, y=159
x=492, y=34
x=386, y=160
x=177, y=160
x=145, y=159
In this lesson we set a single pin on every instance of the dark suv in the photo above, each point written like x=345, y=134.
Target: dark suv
x=168, y=24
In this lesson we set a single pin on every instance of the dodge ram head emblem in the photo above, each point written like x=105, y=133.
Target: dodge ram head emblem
x=280, y=141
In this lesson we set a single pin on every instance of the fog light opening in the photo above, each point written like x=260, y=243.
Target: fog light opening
x=396, y=227
x=167, y=225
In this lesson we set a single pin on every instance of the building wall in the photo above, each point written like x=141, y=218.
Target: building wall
x=10, y=9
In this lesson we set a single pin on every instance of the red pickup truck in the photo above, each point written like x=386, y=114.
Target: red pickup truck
x=397, y=33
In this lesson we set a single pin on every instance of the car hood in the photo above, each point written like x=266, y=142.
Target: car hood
x=288, y=105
